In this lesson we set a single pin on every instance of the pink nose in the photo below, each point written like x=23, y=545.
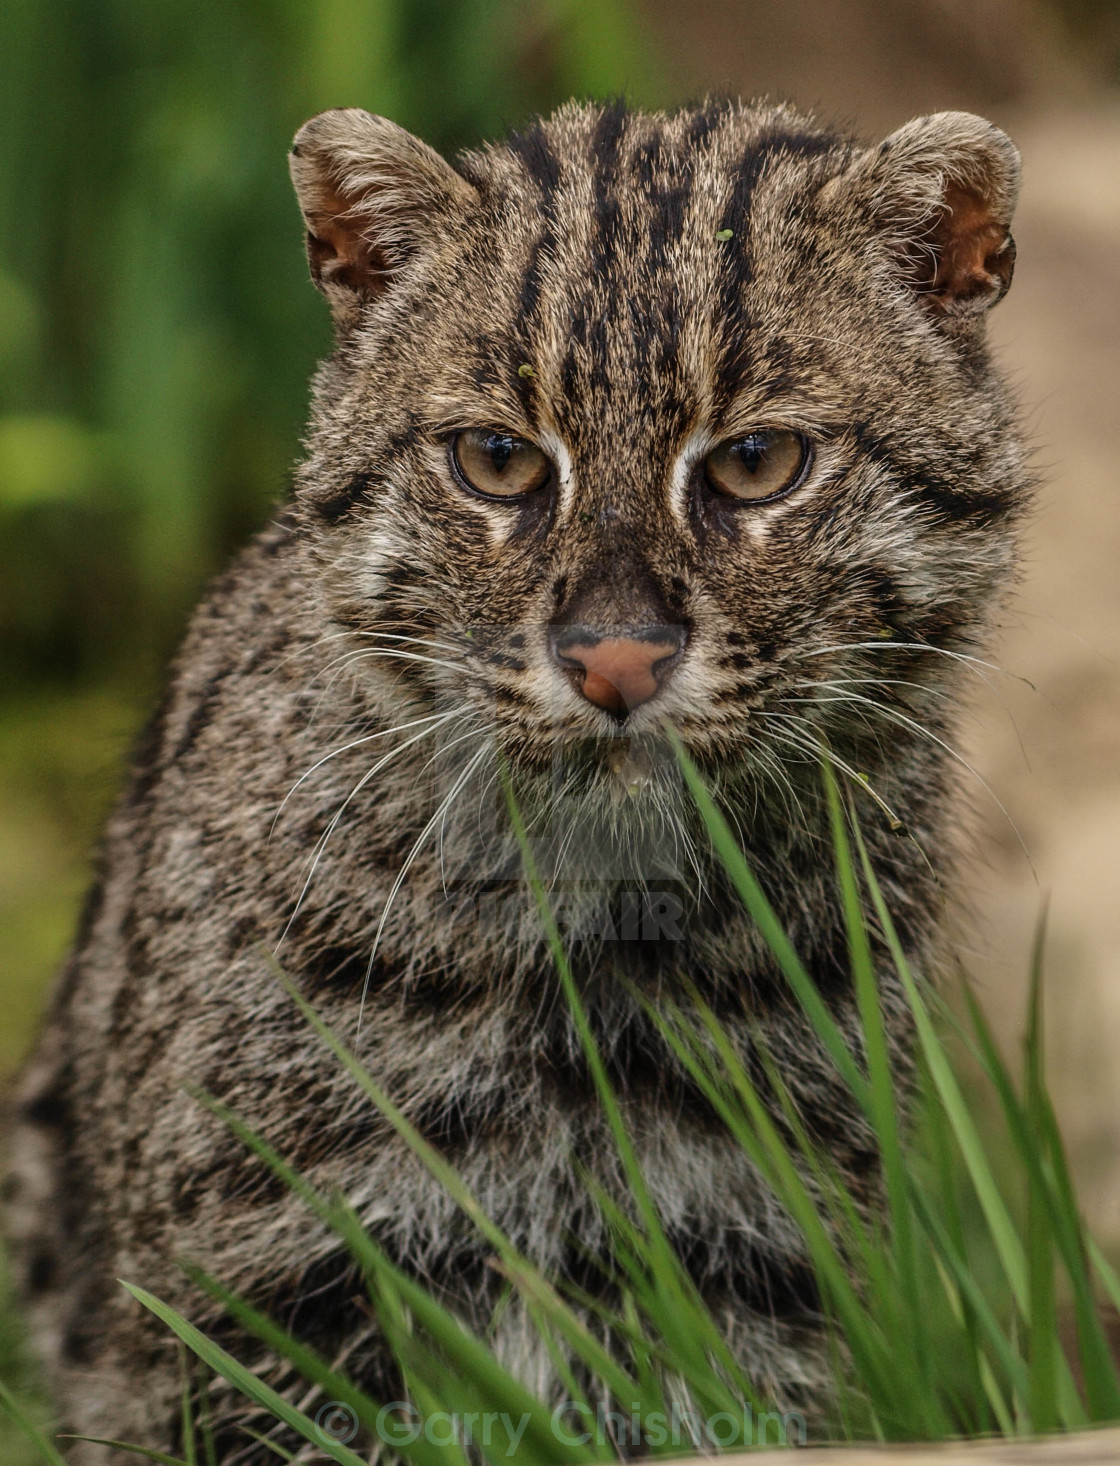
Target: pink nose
x=619, y=674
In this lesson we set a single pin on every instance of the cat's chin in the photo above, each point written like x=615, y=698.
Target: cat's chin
x=577, y=760
x=600, y=810
x=614, y=809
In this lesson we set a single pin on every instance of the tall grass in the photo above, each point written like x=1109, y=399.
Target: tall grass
x=947, y=1310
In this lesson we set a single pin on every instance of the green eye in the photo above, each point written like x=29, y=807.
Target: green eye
x=498, y=464
x=759, y=466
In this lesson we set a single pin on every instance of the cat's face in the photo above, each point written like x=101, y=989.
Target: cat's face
x=638, y=419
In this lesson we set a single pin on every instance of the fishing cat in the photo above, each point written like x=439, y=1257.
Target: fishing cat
x=632, y=420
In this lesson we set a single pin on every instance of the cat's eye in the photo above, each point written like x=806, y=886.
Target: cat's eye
x=498, y=464
x=759, y=466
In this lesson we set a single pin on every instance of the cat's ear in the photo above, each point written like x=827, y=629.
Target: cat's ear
x=942, y=190
x=371, y=195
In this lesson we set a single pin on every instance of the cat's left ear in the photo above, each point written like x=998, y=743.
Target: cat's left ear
x=942, y=190
x=372, y=197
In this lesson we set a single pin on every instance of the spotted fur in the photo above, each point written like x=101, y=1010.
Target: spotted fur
x=625, y=290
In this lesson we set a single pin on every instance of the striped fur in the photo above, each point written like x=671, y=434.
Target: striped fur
x=626, y=290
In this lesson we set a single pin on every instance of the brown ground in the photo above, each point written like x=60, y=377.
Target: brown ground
x=1051, y=754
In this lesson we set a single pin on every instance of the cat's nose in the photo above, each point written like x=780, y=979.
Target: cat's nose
x=619, y=673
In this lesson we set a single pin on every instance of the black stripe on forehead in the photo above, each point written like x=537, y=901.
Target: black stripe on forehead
x=539, y=160
x=545, y=170
x=629, y=158
x=706, y=119
x=760, y=155
x=669, y=181
x=606, y=138
x=655, y=319
x=605, y=148
x=588, y=330
x=667, y=184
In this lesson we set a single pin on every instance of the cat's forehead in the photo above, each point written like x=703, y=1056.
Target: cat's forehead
x=623, y=203
x=605, y=155
x=622, y=248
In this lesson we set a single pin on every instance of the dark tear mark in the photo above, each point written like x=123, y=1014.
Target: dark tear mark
x=943, y=504
x=339, y=504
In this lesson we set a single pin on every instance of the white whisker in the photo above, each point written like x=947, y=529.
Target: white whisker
x=440, y=646
x=774, y=769
x=874, y=682
x=462, y=738
x=407, y=866
x=321, y=844
x=796, y=732
x=368, y=738
x=394, y=654
x=901, y=720
x=916, y=646
x=976, y=665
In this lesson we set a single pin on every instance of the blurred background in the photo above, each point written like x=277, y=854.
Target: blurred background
x=157, y=331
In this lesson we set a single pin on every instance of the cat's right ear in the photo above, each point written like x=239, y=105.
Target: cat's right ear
x=372, y=195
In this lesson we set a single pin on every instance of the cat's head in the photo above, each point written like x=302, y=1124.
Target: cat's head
x=640, y=417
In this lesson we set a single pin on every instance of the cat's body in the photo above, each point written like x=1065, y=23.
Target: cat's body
x=577, y=287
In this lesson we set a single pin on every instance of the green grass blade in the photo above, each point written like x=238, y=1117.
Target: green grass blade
x=273, y=1446
x=603, y=1087
x=144, y=1452
x=573, y=1390
x=764, y=917
x=986, y=1390
x=1044, y=1342
x=204, y=1415
x=1039, y=1150
x=49, y=1452
x=370, y=1257
x=863, y=1250
x=717, y=1382
x=434, y=1162
x=765, y=1147
x=944, y=1191
x=1099, y=1366
x=1107, y=1274
x=310, y=1366
x=1008, y=1244
x=463, y=1350
x=469, y=1351
x=241, y=1378
x=518, y=1268
x=673, y=1278
x=1005, y=1238
x=868, y=1255
x=1010, y=1361
x=429, y=1384
x=189, y=1444
x=884, y=1116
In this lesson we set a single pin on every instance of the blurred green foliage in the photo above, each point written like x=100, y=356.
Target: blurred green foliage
x=157, y=330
